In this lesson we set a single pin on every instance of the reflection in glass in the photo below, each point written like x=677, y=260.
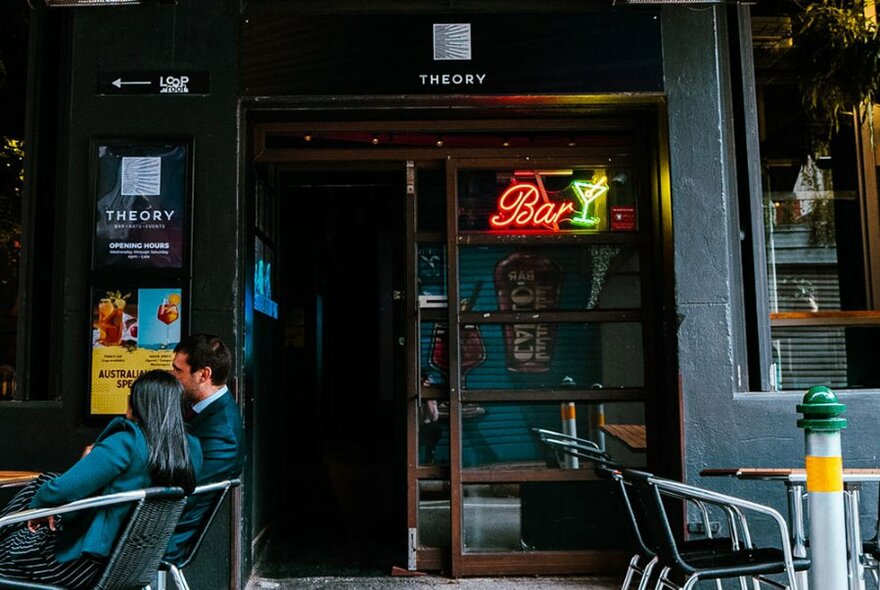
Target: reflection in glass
x=804, y=262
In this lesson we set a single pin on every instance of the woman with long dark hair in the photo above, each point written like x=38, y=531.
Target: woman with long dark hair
x=148, y=447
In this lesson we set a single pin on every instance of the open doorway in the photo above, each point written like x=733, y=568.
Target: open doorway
x=334, y=428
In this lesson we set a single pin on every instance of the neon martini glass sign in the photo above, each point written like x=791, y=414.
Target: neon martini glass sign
x=527, y=205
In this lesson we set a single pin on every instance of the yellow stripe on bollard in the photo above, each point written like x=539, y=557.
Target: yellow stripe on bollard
x=824, y=474
x=568, y=411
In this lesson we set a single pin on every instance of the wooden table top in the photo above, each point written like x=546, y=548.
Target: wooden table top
x=633, y=436
x=11, y=478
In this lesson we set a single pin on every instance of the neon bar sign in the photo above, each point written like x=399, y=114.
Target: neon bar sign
x=526, y=205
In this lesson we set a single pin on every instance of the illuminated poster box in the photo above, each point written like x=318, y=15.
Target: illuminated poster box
x=141, y=205
x=133, y=331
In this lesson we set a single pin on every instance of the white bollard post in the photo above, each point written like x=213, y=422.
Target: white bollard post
x=824, y=466
x=569, y=427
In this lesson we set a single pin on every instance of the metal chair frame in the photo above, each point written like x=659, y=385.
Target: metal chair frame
x=137, y=551
x=220, y=490
x=643, y=561
x=649, y=488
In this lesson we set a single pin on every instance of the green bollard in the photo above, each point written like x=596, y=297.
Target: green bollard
x=824, y=465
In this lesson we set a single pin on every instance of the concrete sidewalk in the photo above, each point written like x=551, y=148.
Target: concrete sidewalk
x=425, y=582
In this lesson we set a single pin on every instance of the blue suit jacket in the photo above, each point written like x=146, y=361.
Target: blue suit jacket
x=218, y=428
x=118, y=462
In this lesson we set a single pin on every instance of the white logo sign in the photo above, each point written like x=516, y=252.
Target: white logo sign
x=173, y=84
x=141, y=175
x=452, y=42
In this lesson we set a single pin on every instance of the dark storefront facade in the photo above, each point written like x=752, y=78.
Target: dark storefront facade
x=426, y=230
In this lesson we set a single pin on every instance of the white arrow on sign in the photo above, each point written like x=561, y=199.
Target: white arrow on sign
x=119, y=82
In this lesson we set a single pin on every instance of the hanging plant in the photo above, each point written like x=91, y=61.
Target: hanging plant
x=11, y=187
x=840, y=59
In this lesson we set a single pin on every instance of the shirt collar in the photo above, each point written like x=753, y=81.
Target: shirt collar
x=199, y=407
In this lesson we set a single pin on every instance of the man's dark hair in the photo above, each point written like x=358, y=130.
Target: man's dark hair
x=205, y=350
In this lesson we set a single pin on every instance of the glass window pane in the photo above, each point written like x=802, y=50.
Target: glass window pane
x=434, y=432
x=816, y=222
x=432, y=275
x=543, y=516
x=434, y=528
x=431, y=201
x=835, y=356
x=814, y=252
x=535, y=356
x=601, y=276
x=500, y=435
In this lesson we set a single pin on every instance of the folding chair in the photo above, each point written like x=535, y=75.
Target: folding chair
x=682, y=569
x=135, y=557
x=217, y=492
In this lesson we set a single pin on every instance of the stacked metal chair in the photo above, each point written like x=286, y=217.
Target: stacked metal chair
x=682, y=566
x=645, y=559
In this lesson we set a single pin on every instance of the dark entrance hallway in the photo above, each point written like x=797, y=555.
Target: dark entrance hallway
x=338, y=503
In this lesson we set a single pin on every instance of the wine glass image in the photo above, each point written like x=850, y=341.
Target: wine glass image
x=472, y=349
x=168, y=313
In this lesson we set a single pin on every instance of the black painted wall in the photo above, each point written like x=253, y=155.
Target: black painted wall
x=189, y=35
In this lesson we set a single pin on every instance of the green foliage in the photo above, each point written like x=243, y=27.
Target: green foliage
x=840, y=59
x=11, y=187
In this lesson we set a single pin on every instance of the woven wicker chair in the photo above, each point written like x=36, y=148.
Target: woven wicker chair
x=139, y=548
x=217, y=493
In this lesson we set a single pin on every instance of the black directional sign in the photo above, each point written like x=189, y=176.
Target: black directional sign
x=171, y=82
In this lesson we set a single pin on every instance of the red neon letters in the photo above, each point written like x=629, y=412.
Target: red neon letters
x=523, y=205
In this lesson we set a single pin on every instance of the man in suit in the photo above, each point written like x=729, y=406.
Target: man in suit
x=202, y=364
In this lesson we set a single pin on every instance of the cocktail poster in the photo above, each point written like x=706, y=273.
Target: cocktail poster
x=133, y=331
x=141, y=206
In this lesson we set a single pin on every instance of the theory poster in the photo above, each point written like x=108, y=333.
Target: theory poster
x=141, y=202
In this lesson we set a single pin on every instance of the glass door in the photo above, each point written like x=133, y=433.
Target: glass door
x=531, y=308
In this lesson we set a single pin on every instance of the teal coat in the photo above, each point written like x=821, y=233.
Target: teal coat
x=118, y=462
